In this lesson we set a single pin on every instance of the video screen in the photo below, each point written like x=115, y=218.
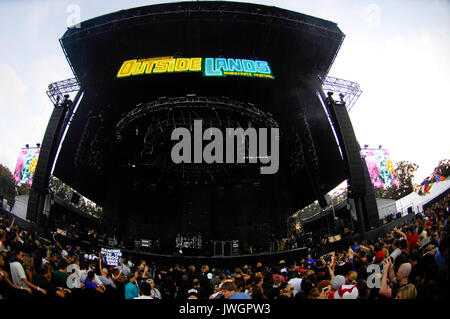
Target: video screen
x=26, y=165
x=380, y=166
x=111, y=257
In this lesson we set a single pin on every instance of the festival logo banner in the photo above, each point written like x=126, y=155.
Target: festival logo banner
x=210, y=67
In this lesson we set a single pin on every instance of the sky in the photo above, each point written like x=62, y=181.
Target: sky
x=398, y=51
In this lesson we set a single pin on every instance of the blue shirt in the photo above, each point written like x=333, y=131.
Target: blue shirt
x=438, y=259
x=131, y=291
x=90, y=284
x=240, y=295
x=311, y=261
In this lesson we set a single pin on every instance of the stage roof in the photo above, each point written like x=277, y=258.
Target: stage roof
x=298, y=47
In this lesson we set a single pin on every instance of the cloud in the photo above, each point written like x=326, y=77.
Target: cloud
x=14, y=108
x=403, y=104
x=39, y=15
x=371, y=15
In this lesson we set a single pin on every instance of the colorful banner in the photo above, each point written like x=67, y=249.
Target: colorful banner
x=26, y=165
x=209, y=67
x=380, y=166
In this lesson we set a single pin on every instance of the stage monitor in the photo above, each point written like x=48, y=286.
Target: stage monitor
x=111, y=257
x=26, y=165
x=380, y=166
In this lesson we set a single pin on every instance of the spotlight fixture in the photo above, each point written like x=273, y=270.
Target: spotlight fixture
x=366, y=145
x=38, y=144
x=27, y=145
x=379, y=147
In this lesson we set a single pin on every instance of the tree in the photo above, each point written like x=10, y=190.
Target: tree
x=7, y=185
x=24, y=189
x=65, y=192
x=404, y=172
x=443, y=169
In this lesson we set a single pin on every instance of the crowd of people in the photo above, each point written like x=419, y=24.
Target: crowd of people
x=411, y=262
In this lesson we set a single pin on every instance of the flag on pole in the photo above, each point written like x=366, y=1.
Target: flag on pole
x=439, y=178
x=427, y=187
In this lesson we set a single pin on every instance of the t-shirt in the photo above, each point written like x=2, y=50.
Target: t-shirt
x=90, y=284
x=131, y=291
x=107, y=282
x=41, y=282
x=438, y=259
x=297, y=284
x=396, y=253
x=240, y=295
x=412, y=241
x=17, y=274
x=59, y=279
x=311, y=261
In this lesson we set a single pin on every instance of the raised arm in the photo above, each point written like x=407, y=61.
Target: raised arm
x=12, y=223
x=385, y=290
x=398, y=231
x=100, y=263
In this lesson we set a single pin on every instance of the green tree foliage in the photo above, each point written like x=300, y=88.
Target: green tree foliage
x=7, y=185
x=442, y=169
x=64, y=192
x=314, y=208
x=24, y=189
x=404, y=173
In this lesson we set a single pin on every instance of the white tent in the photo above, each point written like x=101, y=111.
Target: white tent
x=415, y=202
x=436, y=190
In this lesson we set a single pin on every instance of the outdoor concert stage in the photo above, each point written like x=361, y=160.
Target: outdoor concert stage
x=147, y=71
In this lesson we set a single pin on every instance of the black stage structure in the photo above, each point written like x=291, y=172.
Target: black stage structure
x=116, y=150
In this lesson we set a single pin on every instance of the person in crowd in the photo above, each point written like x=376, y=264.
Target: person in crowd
x=8, y=290
x=131, y=288
x=18, y=275
x=154, y=292
x=145, y=291
x=296, y=282
x=59, y=277
x=229, y=291
x=400, y=279
x=90, y=283
x=202, y=293
x=286, y=292
x=409, y=268
x=44, y=280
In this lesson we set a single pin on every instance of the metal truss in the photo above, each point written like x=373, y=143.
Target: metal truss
x=349, y=89
x=57, y=90
x=193, y=102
